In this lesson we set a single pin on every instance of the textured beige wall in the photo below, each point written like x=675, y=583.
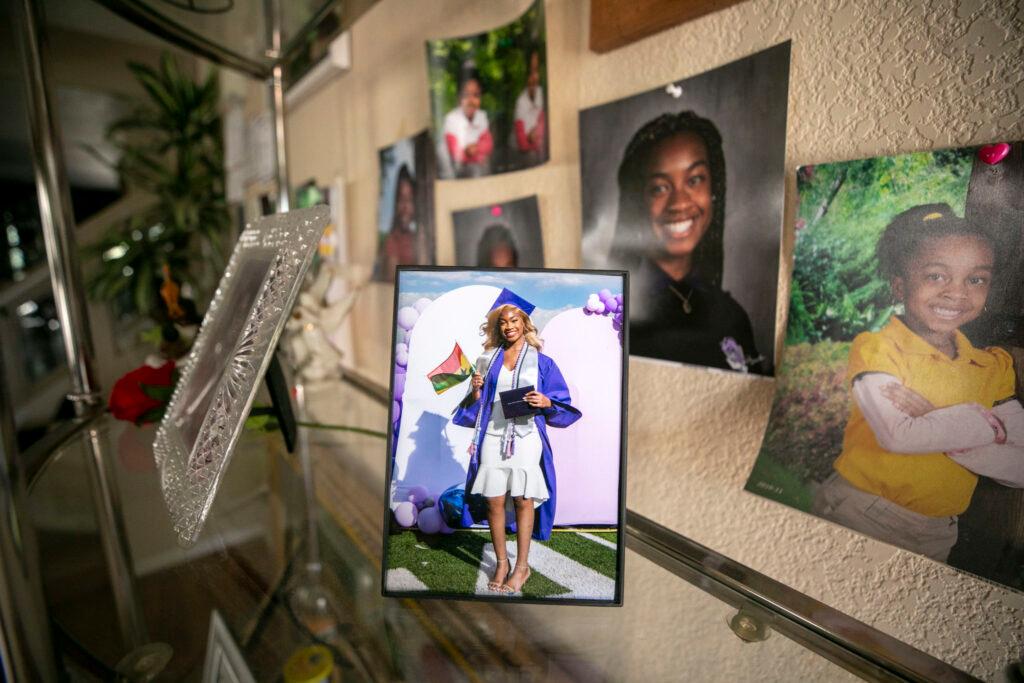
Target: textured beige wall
x=869, y=77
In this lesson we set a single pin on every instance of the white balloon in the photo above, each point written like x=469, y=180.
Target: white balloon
x=407, y=317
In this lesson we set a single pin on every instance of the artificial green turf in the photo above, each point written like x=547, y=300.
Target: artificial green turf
x=449, y=563
x=446, y=564
x=594, y=555
x=612, y=536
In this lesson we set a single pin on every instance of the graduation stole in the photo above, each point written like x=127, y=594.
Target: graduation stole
x=525, y=373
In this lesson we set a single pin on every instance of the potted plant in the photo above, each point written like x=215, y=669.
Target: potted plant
x=160, y=259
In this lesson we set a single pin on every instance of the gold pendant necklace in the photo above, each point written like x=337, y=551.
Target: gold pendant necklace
x=687, y=307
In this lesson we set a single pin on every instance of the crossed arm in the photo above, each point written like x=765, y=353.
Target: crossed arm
x=986, y=442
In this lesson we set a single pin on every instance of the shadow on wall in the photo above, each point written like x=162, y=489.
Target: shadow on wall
x=423, y=465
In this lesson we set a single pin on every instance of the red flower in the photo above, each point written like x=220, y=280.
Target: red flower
x=142, y=394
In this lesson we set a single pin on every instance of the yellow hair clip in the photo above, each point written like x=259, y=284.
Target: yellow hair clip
x=932, y=216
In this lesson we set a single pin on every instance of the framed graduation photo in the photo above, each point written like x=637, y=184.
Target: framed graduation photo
x=506, y=469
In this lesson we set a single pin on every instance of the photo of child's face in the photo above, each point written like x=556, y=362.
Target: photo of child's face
x=405, y=204
x=469, y=98
x=946, y=284
x=533, y=76
x=677, y=191
x=502, y=256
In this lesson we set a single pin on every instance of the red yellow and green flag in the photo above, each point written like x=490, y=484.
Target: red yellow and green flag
x=454, y=370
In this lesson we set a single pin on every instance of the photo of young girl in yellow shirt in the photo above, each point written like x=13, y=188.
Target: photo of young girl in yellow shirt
x=929, y=410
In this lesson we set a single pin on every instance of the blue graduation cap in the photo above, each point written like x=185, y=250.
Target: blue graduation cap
x=507, y=296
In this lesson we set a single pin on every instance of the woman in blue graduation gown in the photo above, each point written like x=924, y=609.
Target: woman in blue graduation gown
x=513, y=456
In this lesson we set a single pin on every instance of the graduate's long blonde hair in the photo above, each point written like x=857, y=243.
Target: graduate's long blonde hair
x=492, y=331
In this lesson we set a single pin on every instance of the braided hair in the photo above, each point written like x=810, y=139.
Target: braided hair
x=633, y=236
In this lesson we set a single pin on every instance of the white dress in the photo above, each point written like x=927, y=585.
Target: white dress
x=520, y=474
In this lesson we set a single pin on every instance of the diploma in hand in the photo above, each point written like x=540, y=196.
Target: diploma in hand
x=513, y=402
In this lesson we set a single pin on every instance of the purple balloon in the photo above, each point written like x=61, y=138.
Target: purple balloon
x=399, y=385
x=421, y=304
x=417, y=494
x=406, y=514
x=611, y=305
x=405, y=337
x=401, y=355
x=598, y=307
x=605, y=294
x=396, y=410
x=407, y=317
x=616, y=324
x=430, y=521
x=618, y=297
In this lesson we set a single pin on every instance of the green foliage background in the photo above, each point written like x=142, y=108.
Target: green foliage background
x=500, y=57
x=844, y=207
x=171, y=149
x=836, y=294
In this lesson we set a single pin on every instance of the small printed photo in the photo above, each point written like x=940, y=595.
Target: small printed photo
x=332, y=242
x=505, y=235
x=507, y=436
x=897, y=411
x=488, y=98
x=683, y=187
x=405, y=209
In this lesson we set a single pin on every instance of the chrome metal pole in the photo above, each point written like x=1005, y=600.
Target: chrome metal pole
x=276, y=86
x=55, y=211
x=313, y=563
x=114, y=541
x=26, y=649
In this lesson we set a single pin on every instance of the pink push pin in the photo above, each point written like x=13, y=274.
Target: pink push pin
x=496, y=210
x=993, y=154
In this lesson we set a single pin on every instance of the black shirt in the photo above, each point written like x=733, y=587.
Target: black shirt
x=661, y=328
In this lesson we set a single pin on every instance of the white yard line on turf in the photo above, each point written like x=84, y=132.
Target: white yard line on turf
x=583, y=582
x=598, y=539
x=402, y=580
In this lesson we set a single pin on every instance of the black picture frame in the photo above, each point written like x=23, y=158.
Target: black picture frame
x=619, y=580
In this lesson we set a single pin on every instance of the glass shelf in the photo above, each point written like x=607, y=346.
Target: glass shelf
x=249, y=562
x=237, y=33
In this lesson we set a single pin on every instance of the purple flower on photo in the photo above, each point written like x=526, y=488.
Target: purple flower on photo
x=734, y=355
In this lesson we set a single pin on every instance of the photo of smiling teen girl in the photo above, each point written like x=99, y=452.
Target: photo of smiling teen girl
x=930, y=411
x=669, y=234
x=467, y=132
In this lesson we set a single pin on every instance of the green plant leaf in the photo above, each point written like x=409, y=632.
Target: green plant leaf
x=156, y=392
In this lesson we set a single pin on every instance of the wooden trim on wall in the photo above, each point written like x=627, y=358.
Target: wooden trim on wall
x=614, y=23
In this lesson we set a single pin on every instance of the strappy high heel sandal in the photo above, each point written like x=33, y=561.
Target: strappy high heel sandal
x=498, y=585
x=511, y=590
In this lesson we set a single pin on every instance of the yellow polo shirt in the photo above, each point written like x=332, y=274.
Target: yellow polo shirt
x=929, y=483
